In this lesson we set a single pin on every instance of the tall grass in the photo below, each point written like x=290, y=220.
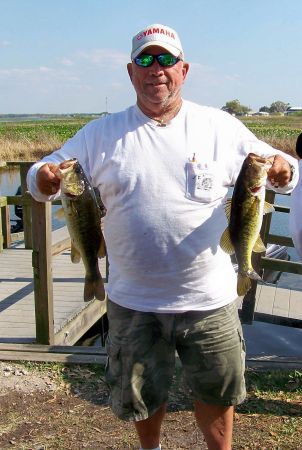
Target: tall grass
x=30, y=141
x=24, y=149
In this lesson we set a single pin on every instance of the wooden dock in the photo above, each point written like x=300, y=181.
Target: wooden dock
x=277, y=305
x=17, y=305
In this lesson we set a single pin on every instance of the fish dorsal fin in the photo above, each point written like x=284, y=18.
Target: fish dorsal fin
x=227, y=208
x=259, y=247
x=268, y=208
x=226, y=243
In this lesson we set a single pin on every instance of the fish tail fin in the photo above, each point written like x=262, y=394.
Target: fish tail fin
x=99, y=290
x=94, y=288
x=243, y=284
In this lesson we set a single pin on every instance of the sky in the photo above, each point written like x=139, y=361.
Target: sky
x=70, y=56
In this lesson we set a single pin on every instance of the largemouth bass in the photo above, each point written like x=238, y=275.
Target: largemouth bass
x=245, y=213
x=83, y=219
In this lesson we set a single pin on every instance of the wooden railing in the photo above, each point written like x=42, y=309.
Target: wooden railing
x=37, y=223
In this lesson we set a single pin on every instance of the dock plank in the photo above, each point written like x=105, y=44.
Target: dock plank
x=266, y=299
x=295, y=305
x=281, y=302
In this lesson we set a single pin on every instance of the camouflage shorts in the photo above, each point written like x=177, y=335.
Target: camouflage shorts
x=141, y=358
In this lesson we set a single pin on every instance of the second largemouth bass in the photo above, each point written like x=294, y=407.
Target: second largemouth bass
x=245, y=213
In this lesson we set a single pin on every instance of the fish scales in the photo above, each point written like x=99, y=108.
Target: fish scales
x=245, y=225
x=245, y=213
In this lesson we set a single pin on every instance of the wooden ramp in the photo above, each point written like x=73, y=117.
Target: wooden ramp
x=17, y=307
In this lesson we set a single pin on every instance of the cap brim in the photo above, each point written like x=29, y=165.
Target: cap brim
x=170, y=48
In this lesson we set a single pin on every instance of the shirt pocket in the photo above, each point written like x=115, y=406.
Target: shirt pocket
x=204, y=181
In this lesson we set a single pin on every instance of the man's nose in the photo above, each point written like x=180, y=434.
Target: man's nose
x=156, y=68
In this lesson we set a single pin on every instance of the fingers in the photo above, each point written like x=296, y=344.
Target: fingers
x=47, y=182
x=279, y=174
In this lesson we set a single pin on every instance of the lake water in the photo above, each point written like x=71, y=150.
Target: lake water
x=10, y=181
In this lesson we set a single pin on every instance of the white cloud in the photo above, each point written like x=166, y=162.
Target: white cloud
x=45, y=69
x=104, y=57
x=41, y=75
x=76, y=82
x=209, y=75
x=66, y=62
x=4, y=43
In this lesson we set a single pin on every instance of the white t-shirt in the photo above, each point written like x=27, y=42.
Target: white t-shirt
x=295, y=216
x=162, y=243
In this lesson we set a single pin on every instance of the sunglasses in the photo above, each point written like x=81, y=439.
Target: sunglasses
x=164, y=60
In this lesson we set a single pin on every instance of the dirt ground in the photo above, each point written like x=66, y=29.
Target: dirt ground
x=53, y=407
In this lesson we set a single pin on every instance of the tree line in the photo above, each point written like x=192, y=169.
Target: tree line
x=235, y=107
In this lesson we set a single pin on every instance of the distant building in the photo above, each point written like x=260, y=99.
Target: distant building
x=261, y=113
x=293, y=109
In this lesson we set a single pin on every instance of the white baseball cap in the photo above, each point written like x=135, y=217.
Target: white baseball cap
x=160, y=35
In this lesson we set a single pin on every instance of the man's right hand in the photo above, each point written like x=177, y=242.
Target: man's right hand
x=48, y=183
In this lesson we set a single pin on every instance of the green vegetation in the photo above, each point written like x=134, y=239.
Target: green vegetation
x=29, y=140
x=61, y=129
x=32, y=139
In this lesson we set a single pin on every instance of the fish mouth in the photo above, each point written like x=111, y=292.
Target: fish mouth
x=70, y=196
x=65, y=167
x=255, y=189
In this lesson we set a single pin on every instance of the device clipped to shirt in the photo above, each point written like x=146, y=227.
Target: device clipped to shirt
x=200, y=180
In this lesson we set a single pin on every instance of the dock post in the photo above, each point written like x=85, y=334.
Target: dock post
x=24, y=167
x=4, y=224
x=42, y=268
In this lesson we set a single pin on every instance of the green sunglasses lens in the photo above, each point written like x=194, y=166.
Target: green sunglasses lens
x=166, y=60
x=144, y=60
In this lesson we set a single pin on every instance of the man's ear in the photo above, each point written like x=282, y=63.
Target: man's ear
x=129, y=69
x=185, y=70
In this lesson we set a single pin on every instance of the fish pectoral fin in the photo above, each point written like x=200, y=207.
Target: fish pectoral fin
x=259, y=246
x=60, y=214
x=227, y=208
x=102, y=249
x=244, y=281
x=268, y=208
x=75, y=255
x=226, y=243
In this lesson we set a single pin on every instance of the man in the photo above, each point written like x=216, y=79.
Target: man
x=163, y=168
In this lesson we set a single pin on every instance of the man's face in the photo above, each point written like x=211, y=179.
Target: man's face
x=157, y=85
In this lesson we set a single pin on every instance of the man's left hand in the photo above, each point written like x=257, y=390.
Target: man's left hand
x=279, y=174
